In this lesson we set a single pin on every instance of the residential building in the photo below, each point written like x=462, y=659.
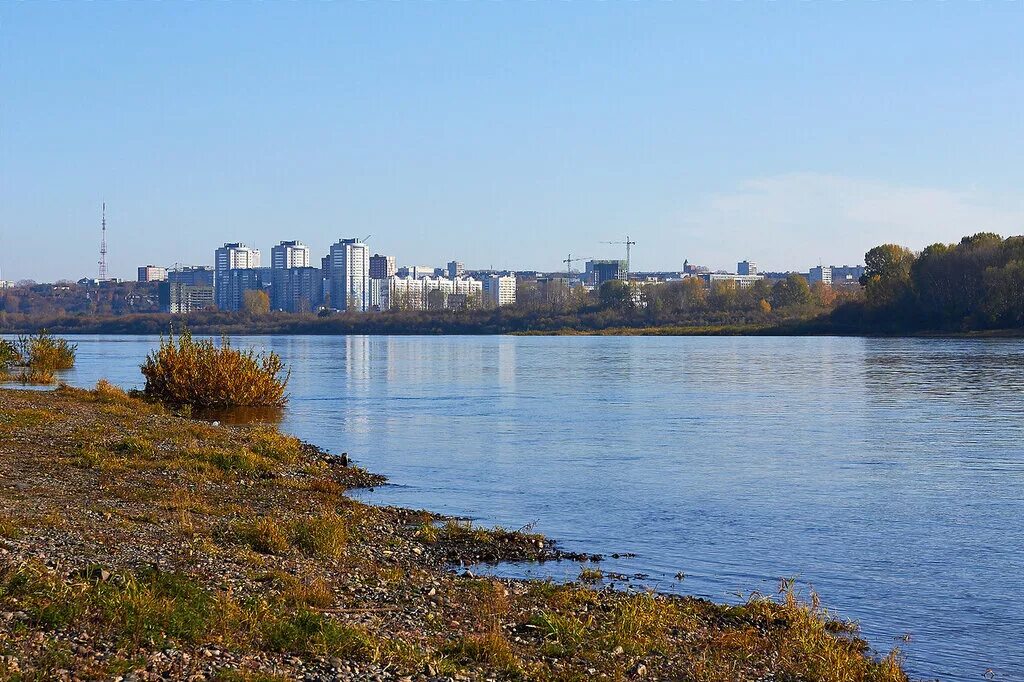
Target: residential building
x=178, y=298
x=348, y=275
x=742, y=281
x=293, y=254
x=499, y=290
x=455, y=269
x=6, y=284
x=408, y=293
x=382, y=267
x=239, y=281
x=192, y=275
x=152, y=273
x=821, y=273
x=231, y=256
x=847, y=274
x=746, y=267
x=416, y=271
x=297, y=290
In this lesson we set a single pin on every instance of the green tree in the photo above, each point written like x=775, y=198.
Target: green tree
x=790, y=292
x=616, y=295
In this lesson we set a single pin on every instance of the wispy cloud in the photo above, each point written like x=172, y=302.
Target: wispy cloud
x=795, y=220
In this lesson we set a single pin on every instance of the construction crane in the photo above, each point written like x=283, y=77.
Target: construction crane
x=568, y=266
x=628, y=244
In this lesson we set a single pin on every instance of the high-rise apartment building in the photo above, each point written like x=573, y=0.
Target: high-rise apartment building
x=349, y=275
x=416, y=271
x=499, y=290
x=177, y=297
x=382, y=267
x=231, y=256
x=746, y=267
x=152, y=273
x=293, y=254
x=239, y=281
x=297, y=290
x=455, y=269
x=192, y=275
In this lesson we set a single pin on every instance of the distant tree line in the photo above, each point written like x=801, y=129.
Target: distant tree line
x=975, y=285
x=553, y=307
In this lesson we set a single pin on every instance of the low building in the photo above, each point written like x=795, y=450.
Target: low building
x=424, y=293
x=741, y=281
x=177, y=298
x=847, y=274
x=152, y=273
x=821, y=273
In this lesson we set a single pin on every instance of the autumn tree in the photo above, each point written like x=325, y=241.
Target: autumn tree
x=256, y=302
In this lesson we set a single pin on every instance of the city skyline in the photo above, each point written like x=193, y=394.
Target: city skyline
x=506, y=136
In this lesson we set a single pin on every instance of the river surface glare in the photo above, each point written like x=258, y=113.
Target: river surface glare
x=888, y=474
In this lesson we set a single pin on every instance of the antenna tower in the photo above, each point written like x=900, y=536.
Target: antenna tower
x=103, y=244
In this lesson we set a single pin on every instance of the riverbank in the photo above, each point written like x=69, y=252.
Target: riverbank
x=135, y=543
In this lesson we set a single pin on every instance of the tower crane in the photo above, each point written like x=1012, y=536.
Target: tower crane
x=628, y=244
x=568, y=266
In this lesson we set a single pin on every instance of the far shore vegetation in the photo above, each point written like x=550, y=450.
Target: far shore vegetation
x=975, y=286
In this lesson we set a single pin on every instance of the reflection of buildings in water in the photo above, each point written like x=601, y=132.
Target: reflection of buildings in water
x=357, y=360
x=507, y=358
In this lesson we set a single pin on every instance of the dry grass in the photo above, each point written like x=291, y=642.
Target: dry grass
x=263, y=557
x=202, y=375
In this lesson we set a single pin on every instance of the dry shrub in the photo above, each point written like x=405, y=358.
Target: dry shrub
x=109, y=393
x=202, y=375
x=9, y=354
x=34, y=376
x=45, y=352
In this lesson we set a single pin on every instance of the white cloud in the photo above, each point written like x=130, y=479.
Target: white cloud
x=794, y=220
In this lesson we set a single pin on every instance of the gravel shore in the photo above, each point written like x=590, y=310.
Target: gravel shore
x=136, y=544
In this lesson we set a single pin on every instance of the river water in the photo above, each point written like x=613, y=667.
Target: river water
x=887, y=474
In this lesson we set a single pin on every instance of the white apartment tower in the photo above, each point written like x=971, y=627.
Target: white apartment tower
x=499, y=290
x=293, y=254
x=821, y=273
x=348, y=275
x=231, y=256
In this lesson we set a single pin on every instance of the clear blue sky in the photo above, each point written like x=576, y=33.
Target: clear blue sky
x=506, y=134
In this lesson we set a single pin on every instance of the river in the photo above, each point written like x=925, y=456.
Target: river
x=886, y=473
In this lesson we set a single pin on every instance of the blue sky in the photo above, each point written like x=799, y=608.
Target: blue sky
x=506, y=134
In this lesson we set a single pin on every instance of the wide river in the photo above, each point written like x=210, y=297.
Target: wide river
x=888, y=474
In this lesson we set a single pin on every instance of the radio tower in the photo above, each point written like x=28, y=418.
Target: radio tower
x=103, y=245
